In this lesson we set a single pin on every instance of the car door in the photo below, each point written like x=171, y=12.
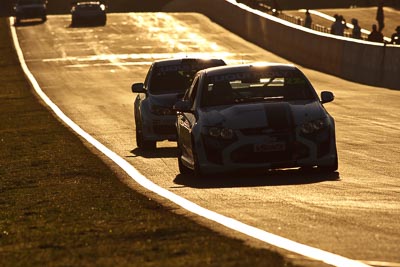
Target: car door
x=186, y=120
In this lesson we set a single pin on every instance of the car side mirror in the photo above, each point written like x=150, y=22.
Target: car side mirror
x=182, y=106
x=138, y=88
x=326, y=97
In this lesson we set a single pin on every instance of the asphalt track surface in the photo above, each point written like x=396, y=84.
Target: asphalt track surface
x=88, y=71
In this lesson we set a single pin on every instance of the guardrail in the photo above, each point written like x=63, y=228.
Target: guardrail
x=356, y=60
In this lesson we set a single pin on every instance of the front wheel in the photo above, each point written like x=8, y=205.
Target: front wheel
x=196, y=168
x=330, y=168
x=141, y=142
x=182, y=168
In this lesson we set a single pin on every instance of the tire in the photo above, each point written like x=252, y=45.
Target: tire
x=306, y=169
x=182, y=168
x=196, y=168
x=330, y=168
x=141, y=142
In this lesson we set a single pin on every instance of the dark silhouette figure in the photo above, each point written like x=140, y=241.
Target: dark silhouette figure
x=375, y=35
x=335, y=25
x=276, y=9
x=308, y=19
x=356, y=33
x=396, y=36
x=339, y=25
x=380, y=17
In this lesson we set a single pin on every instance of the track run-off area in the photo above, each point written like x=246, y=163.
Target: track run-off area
x=348, y=218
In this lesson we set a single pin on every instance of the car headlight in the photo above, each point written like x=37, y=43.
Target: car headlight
x=220, y=132
x=313, y=126
x=161, y=111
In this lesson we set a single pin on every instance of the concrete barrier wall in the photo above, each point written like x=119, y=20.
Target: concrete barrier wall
x=362, y=62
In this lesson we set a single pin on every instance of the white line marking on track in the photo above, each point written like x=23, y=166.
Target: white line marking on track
x=275, y=240
x=383, y=263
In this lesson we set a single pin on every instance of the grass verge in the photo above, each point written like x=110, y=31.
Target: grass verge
x=60, y=205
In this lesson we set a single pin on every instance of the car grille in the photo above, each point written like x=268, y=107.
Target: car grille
x=246, y=154
x=264, y=131
x=33, y=11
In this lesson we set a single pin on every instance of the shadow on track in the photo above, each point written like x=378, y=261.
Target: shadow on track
x=269, y=178
x=162, y=152
x=27, y=23
x=87, y=24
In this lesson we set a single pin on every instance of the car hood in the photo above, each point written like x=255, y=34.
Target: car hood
x=254, y=115
x=164, y=100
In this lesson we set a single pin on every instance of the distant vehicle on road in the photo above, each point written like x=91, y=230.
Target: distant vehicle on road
x=30, y=9
x=88, y=13
x=252, y=117
x=166, y=81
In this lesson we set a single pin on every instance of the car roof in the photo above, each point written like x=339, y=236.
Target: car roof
x=30, y=2
x=178, y=61
x=88, y=3
x=248, y=67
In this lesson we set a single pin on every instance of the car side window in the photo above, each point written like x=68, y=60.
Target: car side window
x=191, y=93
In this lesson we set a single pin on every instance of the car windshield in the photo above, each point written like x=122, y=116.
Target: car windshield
x=256, y=86
x=88, y=6
x=30, y=2
x=175, y=78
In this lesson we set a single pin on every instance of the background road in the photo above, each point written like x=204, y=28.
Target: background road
x=88, y=72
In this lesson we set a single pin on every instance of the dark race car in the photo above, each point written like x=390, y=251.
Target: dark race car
x=88, y=13
x=30, y=9
x=252, y=117
x=166, y=81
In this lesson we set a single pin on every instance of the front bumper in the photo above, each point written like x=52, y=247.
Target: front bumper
x=282, y=150
x=159, y=128
x=89, y=18
x=31, y=13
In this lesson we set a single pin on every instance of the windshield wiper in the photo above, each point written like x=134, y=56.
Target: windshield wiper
x=258, y=99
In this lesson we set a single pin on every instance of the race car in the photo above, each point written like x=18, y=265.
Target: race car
x=165, y=82
x=30, y=9
x=88, y=13
x=254, y=117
